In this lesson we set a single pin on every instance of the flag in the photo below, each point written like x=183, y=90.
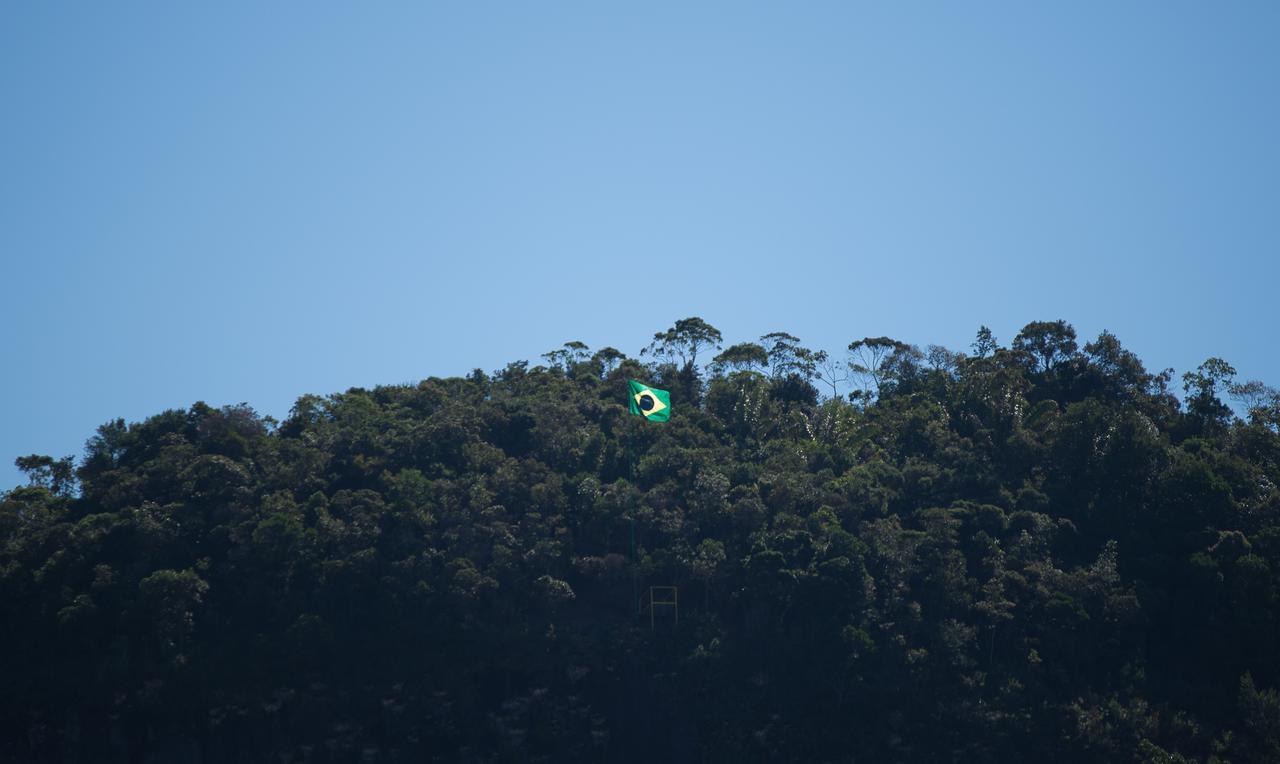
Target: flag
x=650, y=402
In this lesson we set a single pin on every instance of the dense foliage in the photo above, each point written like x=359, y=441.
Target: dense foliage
x=1034, y=550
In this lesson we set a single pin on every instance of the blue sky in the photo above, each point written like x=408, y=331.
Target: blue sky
x=234, y=202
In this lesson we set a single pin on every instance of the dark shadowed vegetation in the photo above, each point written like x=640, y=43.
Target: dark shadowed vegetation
x=1033, y=551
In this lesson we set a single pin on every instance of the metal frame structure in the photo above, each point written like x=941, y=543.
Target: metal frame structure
x=670, y=597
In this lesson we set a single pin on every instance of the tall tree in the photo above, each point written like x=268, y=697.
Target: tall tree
x=683, y=341
x=1201, y=387
x=1047, y=343
x=608, y=359
x=56, y=475
x=985, y=344
x=1260, y=402
x=870, y=360
x=745, y=356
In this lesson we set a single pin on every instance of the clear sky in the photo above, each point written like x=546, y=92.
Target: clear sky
x=250, y=201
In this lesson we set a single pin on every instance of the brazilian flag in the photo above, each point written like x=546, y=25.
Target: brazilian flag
x=650, y=402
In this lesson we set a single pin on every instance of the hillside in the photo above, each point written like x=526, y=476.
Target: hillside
x=910, y=555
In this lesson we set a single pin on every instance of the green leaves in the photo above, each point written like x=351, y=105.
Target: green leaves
x=1047, y=343
x=1030, y=549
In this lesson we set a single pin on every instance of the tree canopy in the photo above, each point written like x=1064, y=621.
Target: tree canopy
x=1033, y=551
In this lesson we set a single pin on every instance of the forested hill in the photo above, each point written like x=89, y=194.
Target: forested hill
x=880, y=554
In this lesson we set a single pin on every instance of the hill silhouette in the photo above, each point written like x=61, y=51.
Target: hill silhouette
x=883, y=554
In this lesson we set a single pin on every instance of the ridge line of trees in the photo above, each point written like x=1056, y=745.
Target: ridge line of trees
x=1025, y=550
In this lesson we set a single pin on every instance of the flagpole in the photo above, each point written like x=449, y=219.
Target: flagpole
x=631, y=476
x=648, y=402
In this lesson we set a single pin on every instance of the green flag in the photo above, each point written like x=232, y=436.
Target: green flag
x=650, y=402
